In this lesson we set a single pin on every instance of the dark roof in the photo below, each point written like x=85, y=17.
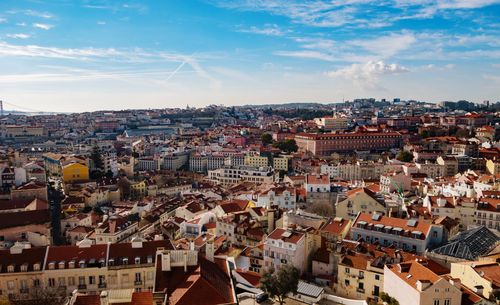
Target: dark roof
x=24, y=218
x=125, y=250
x=469, y=244
x=29, y=257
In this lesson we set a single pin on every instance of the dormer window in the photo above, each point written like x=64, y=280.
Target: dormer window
x=62, y=265
x=24, y=267
x=150, y=259
x=125, y=261
x=137, y=260
x=111, y=262
x=71, y=265
x=10, y=268
x=36, y=267
x=82, y=264
x=52, y=265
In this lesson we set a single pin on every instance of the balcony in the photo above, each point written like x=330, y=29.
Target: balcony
x=82, y=287
x=138, y=282
x=361, y=276
x=101, y=285
x=24, y=290
x=360, y=290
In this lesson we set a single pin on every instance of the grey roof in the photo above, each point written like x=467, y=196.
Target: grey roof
x=309, y=289
x=469, y=244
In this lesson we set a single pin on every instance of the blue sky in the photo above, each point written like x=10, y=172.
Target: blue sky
x=81, y=55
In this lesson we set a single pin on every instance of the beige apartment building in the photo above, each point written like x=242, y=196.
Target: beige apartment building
x=87, y=267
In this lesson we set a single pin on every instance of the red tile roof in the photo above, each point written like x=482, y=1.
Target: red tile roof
x=293, y=238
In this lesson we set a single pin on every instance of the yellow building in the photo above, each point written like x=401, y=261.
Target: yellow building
x=75, y=172
x=138, y=189
x=493, y=167
x=280, y=163
x=256, y=161
x=479, y=276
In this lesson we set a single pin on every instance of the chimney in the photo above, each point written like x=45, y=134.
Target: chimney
x=185, y=260
x=210, y=250
x=478, y=289
x=104, y=298
x=137, y=242
x=455, y=282
x=423, y=284
x=165, y=261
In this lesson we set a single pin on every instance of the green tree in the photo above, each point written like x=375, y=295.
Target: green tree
x=267, y=139
x=288, y=145
x=278, y=284
x=96, y=158
x=388, y=299
x=405, y=156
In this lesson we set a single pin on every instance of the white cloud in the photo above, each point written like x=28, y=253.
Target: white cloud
x=18, y=36
x=108, y=54
x=42, y=26
x=465, y=4
x=21, y=24
x=386, y=46
x=367, y=74
x=267, y=29
x=101, y=22
x=33, y=13
x=307, y=54
x=3, y=20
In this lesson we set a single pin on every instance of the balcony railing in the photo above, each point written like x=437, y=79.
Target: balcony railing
x=138, y=282
x=360, y=290
x=82, y=286
x=102, y=285
x=24, y=290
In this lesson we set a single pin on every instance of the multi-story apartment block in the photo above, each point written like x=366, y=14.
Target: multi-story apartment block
x=22, y=131
x=151, y=163
x=115, y=229
x=488, y=213
x=413, y=283
x=326, y=144
x=395, y=182
x=284, y=197
x=285, y=247
x=453, y=207
x=86, y=267
x=230, y=175
x=482, y=277
x=361, y=200
x=409, y=235
x=256, y=161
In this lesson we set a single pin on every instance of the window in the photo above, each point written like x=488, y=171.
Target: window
x=347, y=270
x=347, y=283
x=81, y=280
x=447, y=302
x=377, y=277
x=436, y=302
x=137, y=277
x=137, y=260
x=52, y=282
x=71, y=281
x=36, y=283
x=24, y=267
x=91, y=280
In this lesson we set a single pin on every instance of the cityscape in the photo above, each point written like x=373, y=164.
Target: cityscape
x=250, y=152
